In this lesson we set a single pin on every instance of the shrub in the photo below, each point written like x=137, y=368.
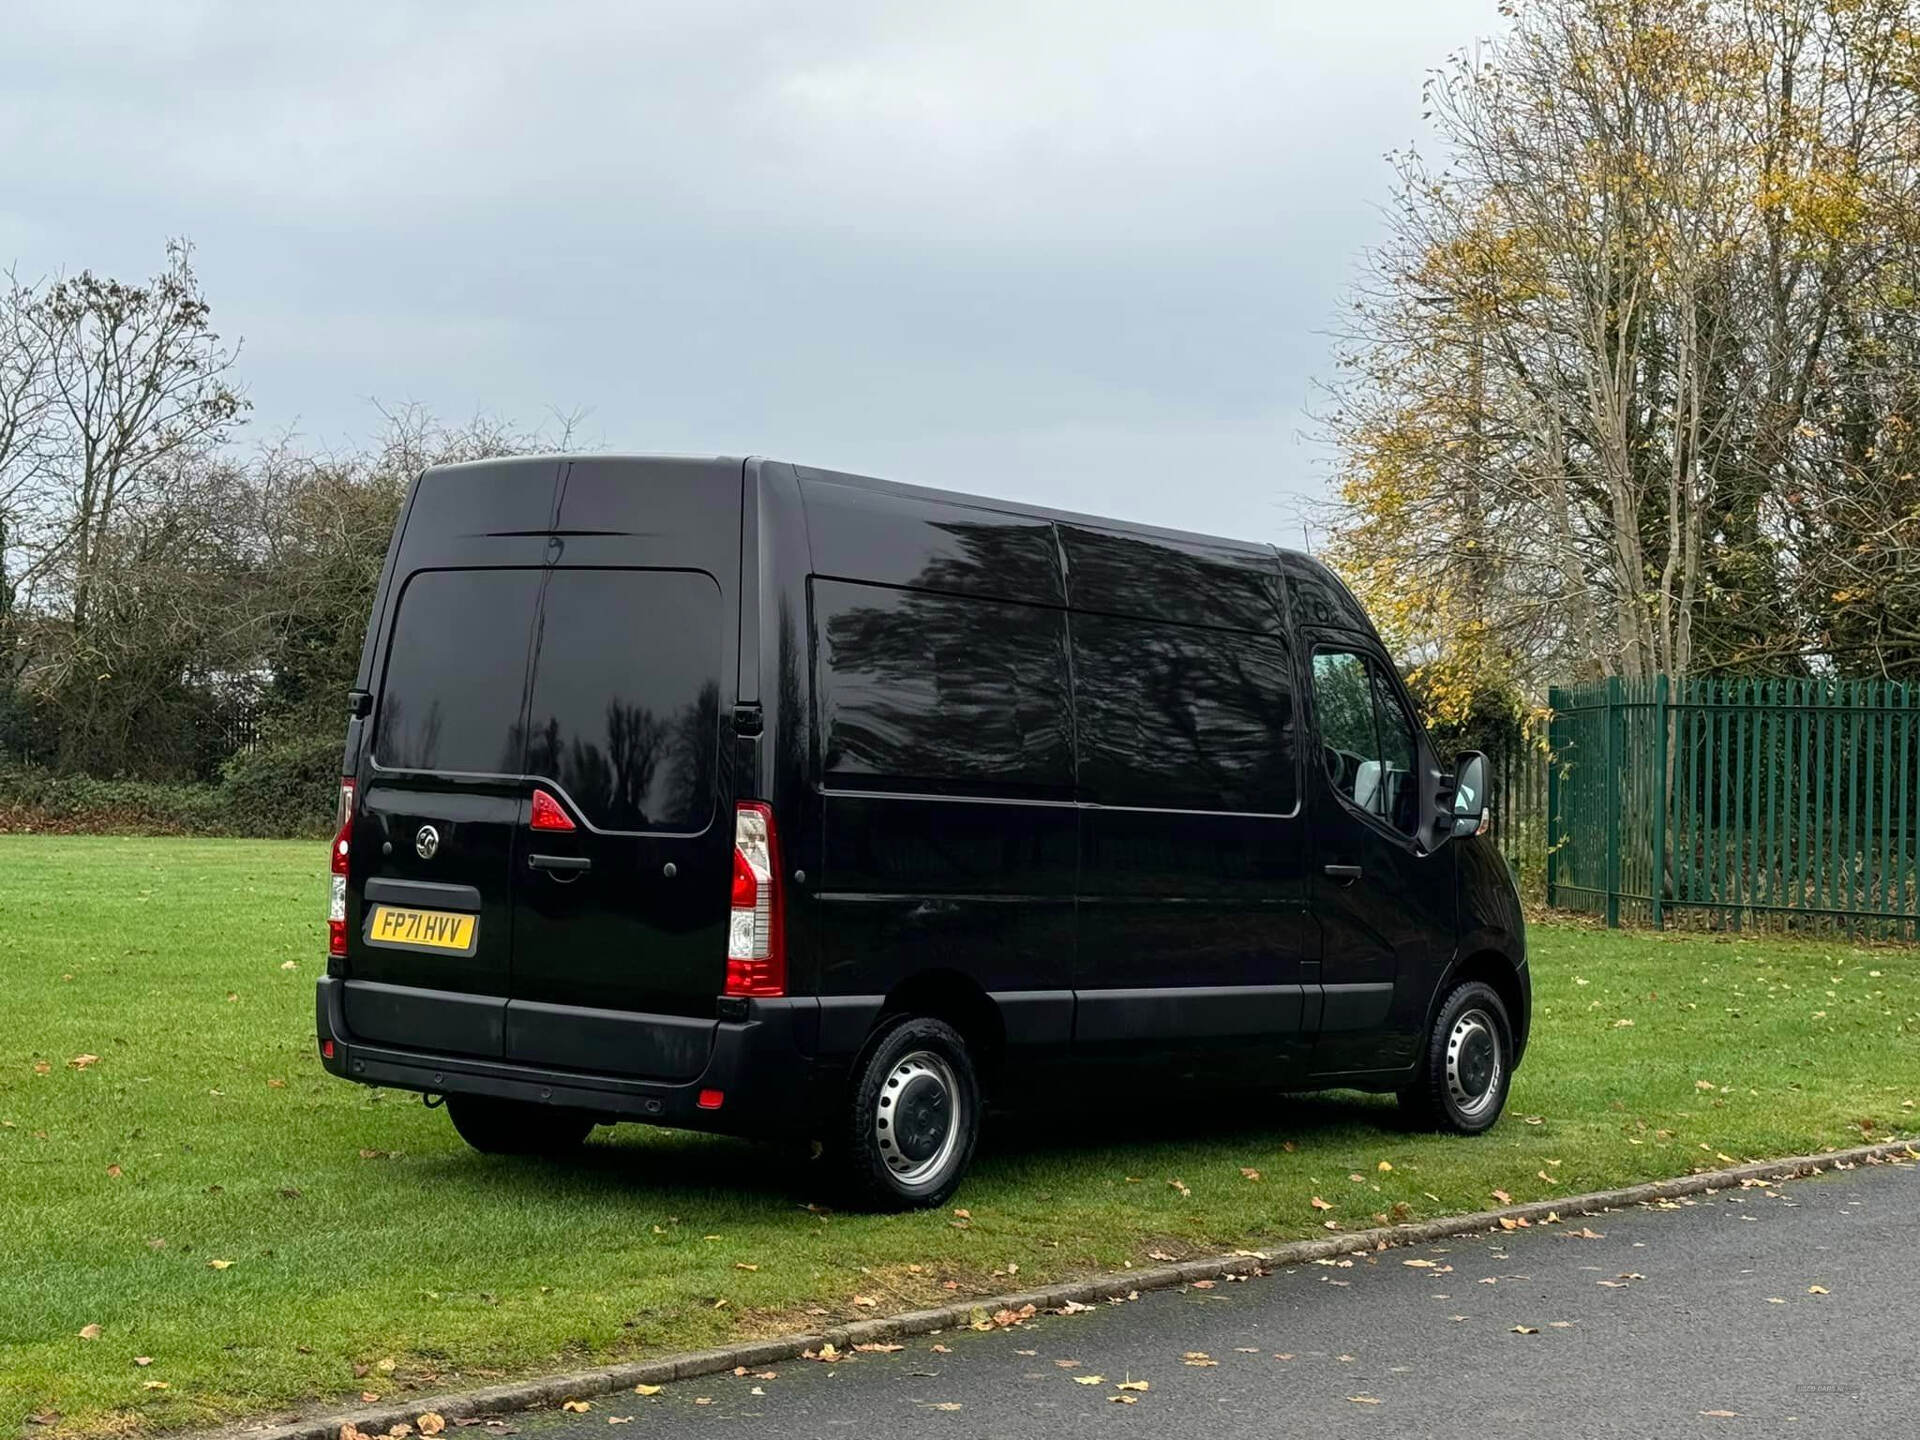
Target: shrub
x=287, y=787
x=283, y=789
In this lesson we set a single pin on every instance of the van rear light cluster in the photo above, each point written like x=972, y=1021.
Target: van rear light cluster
x=756, y=929
x=337, y=906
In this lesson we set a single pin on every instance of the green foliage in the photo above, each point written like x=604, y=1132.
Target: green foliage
x=280, y=790
x=288, y=787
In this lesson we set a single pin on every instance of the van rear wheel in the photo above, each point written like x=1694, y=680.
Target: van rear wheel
x=912, y=1117
x=513, y=1127
x=1468, y=1064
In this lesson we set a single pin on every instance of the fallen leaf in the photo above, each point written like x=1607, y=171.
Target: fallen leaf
x=143, y=1360
x=877, y=1348
x=579, y=1407
x=1384, y=1166
x=1248, y=1173
x=113, y=1172
x=1503, y=1197
x=1124, y=1399
x=963, y=1214
x=1203, y=1285
x=1422, y=1264
x=1817, y=1290
x=431, y=1423
x=1159, y=1255
x=1722, y=1414
x=648, y=1389
x=1526, y=1330
x=1320, y=1204
x=1198, y=1359
x=1134, y=1385
x=81, y=1062
x=219, y=1264
x=628, y=1419
x=703, y=1399
x=89, y=1332
x=156, y=1385
x=1363, y=1399
x=945, y=1405
x=865, y=1301
x=1089, y=1379
x=1179, y=1185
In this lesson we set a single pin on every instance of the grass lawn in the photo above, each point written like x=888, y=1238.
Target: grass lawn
x=265, y=1234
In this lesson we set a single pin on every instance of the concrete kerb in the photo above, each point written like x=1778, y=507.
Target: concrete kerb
x=588, y=1384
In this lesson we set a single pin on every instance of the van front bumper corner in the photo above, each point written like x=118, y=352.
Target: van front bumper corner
x=757, y=1065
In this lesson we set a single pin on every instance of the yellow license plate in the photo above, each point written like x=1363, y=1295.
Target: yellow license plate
x=424, y=929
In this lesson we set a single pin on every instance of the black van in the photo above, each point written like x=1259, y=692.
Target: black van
x=751, y=798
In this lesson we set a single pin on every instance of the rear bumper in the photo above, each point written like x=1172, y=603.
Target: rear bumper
x=757, y=1064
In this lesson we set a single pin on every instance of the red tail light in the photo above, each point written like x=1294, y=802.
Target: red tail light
x=756, y=931
x=337, y=907
x=547, y=814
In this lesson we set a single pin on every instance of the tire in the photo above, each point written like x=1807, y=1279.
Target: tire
x=1468, y=1065
x=910, y=1119
x=513, y=1127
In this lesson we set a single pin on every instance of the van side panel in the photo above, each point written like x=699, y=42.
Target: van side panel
x=1194, y=936
x=944, y=756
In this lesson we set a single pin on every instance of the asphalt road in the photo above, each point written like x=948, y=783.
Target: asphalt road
x=1789, y=1312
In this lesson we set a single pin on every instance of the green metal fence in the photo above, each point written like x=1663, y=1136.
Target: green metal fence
x=1737, y=802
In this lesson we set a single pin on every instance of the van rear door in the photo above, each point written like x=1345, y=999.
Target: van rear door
x=428, y=963
x=620, y=922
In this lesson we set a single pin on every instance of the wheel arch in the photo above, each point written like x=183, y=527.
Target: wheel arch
x=959, y=1000
x=1507, y=980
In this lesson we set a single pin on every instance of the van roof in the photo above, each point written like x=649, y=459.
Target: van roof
x=877, y=485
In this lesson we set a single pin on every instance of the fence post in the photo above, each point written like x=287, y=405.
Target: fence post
x=1555, y=696
x=1658, y=884
x=1611, y=777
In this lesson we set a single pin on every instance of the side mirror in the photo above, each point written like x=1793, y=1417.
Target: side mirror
x=1470, y=813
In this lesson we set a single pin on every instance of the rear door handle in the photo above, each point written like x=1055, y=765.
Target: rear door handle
x=1345, y=874
x=574, y=863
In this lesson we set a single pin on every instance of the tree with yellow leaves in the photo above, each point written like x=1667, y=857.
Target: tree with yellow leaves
x=1630, y=387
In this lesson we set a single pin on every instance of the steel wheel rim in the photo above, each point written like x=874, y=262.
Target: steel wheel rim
x=1475, y=1064
x=918, y=1119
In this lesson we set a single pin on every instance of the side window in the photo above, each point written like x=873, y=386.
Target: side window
x=1178, y=717
x=947, y=694
x=1366, y=738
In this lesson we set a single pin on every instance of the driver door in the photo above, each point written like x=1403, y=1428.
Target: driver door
x=1384, y=904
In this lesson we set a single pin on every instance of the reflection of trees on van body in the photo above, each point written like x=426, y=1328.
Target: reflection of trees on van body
x=641, y=772
x=952, y=689
x=1183, y=717
x=973, y=692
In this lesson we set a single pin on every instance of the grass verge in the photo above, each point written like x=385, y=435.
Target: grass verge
x=368, y=1252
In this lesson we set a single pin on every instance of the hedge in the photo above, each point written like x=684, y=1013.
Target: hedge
x=287, y=789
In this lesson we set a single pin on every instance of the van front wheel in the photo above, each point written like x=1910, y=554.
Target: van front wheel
x=513, y=1127
x=912, y=1117
x=1468, y=1064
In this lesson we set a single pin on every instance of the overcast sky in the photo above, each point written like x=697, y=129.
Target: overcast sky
x=1080, y=253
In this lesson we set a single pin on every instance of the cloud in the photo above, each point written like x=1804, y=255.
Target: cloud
x=861, y=232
